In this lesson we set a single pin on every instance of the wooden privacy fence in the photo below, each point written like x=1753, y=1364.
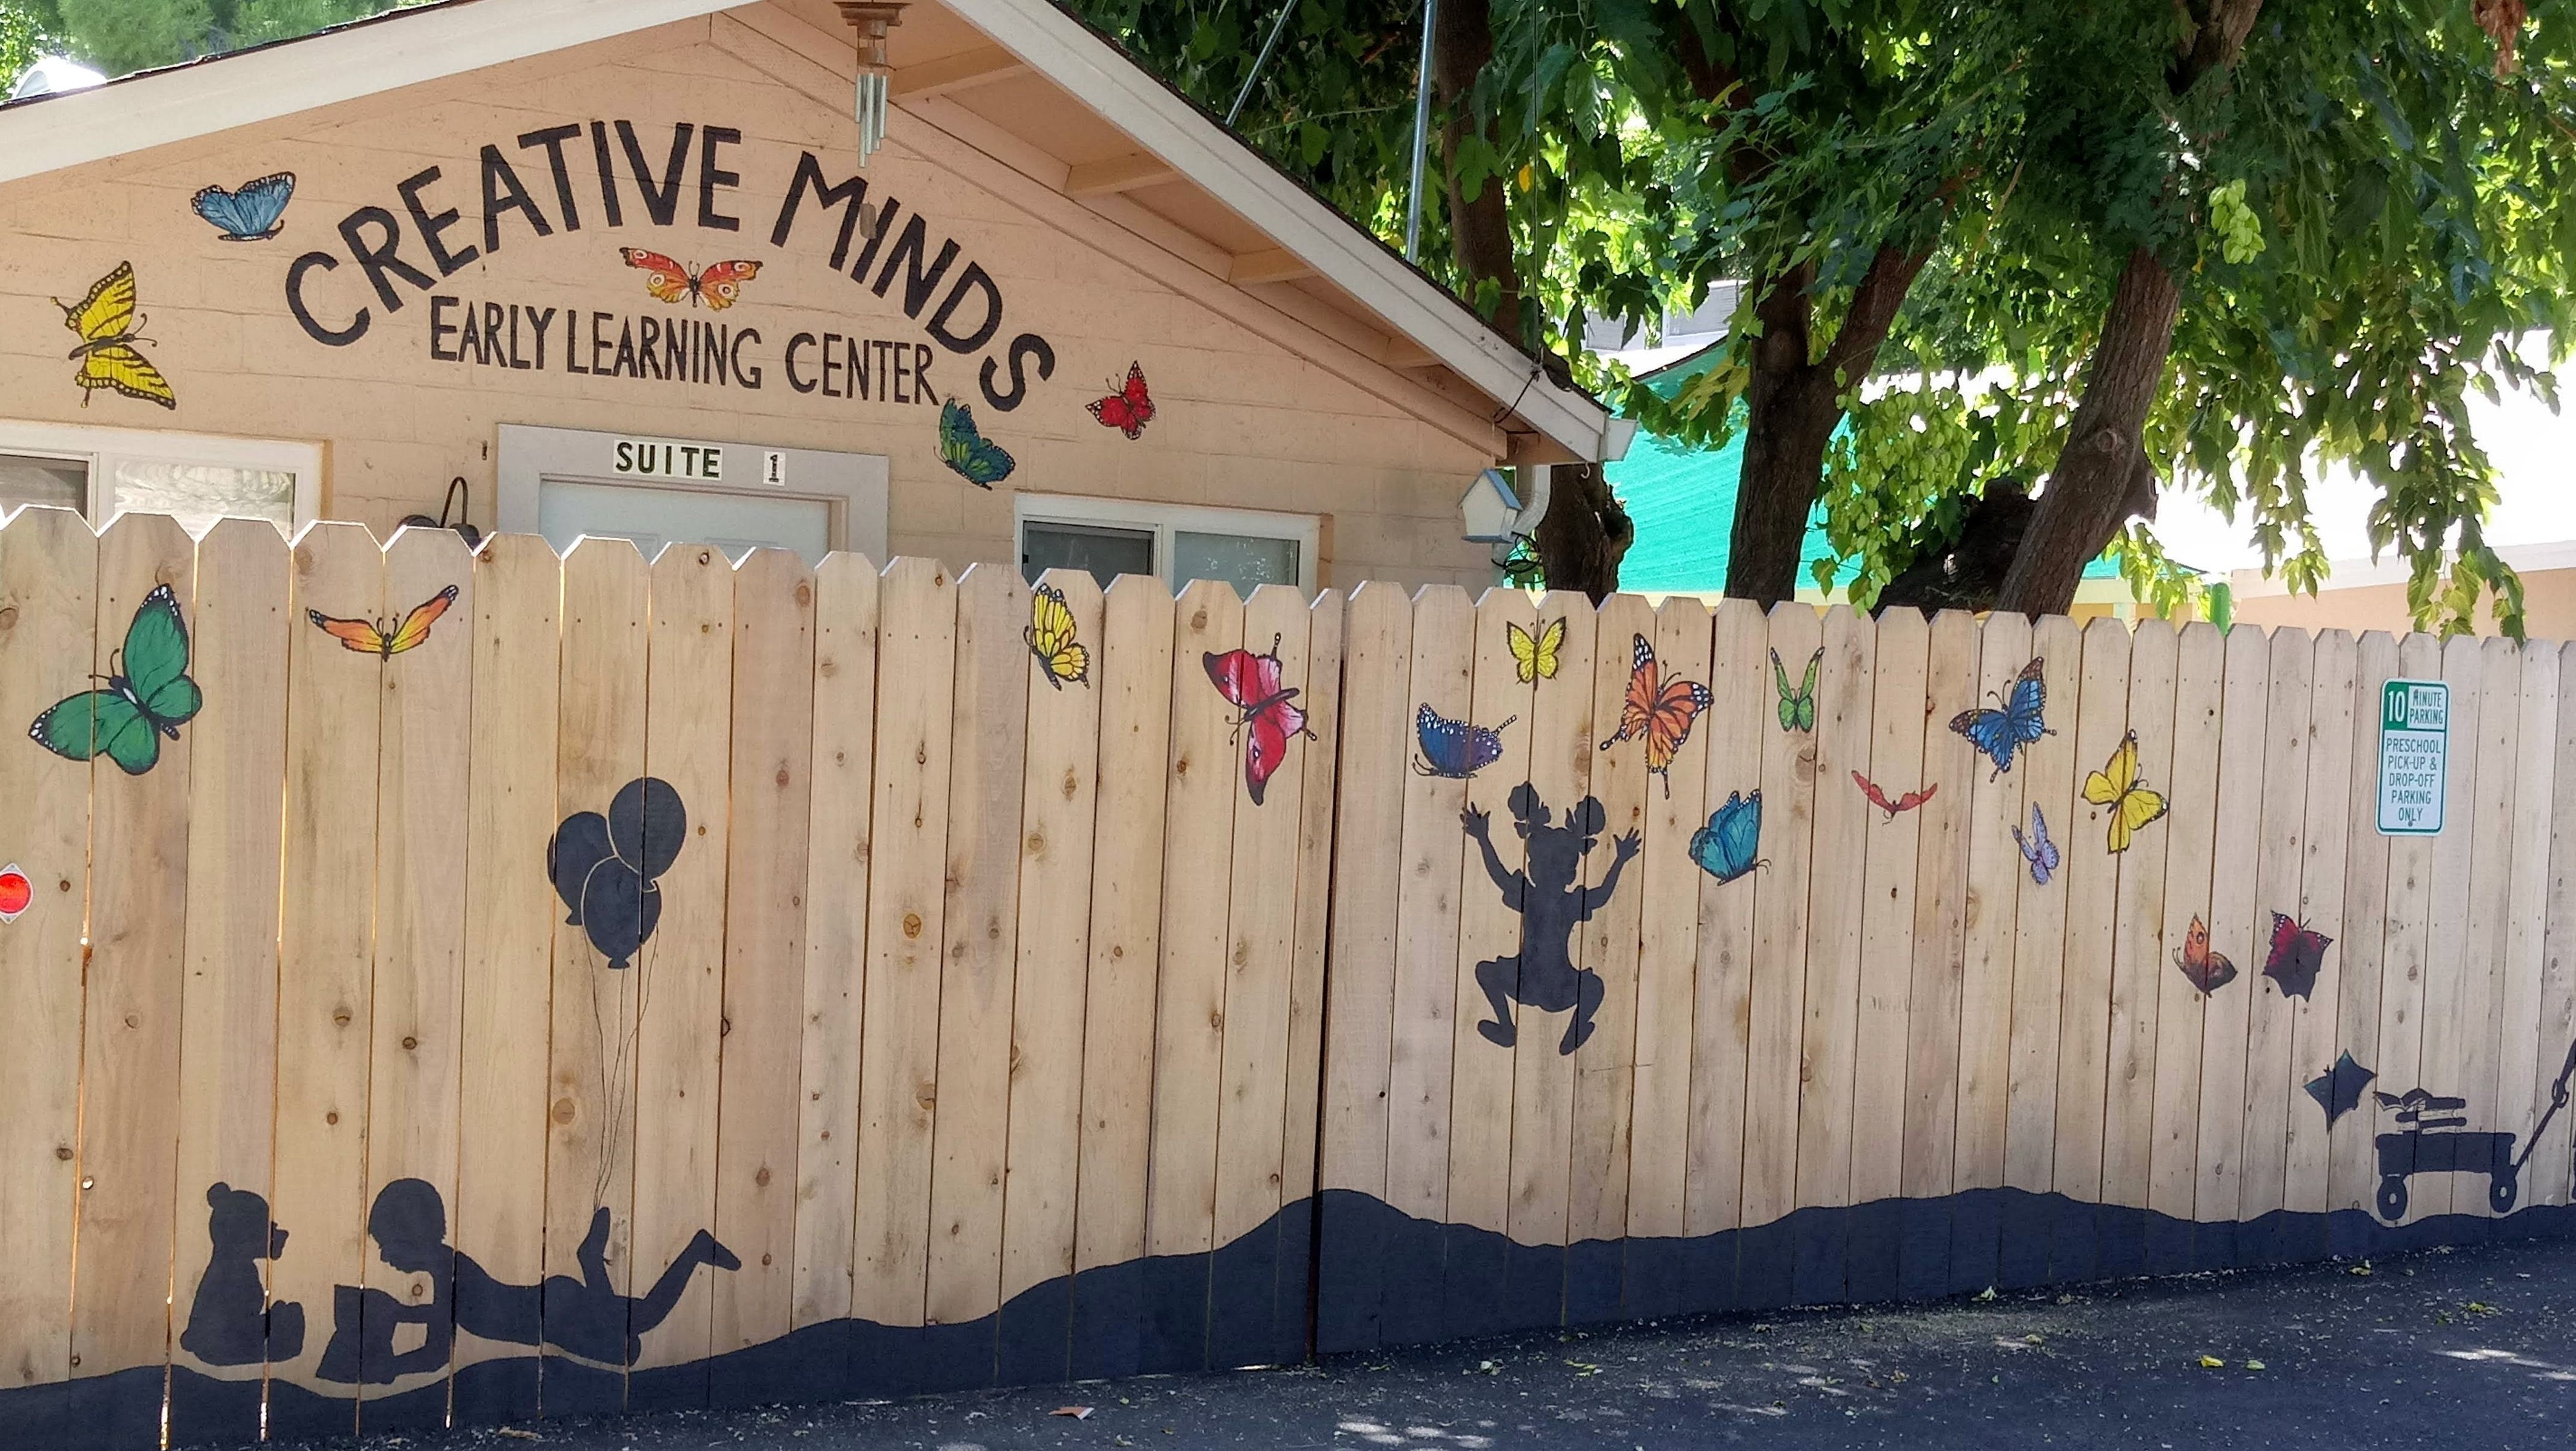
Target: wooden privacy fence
x=659, y=984
x=459, y=987
x=1923, y=1046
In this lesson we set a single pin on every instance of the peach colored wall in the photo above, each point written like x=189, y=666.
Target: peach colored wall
x=1254, y=411
x=2549, y=608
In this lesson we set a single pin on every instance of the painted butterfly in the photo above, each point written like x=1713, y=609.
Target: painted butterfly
x=1657, y=711
x=1878, y=795
x=2297, y=955
x=2010, y=724
x=1128, y=409
x=253, y=212
x=17, y=893
x=148, y=695
x=383, y=638
x=1797, y=708
x=977, y=459
x=718, y=285
x=2207, y=970
x=1270, y=715
x=109, y=327
x=1534, y=656
x=1455, y=748
x=1725, y=847
x=1050, y=637
x=2037, y=849
x=2117, y=786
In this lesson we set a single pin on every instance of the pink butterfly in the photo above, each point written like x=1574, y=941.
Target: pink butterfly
x=1270, y=716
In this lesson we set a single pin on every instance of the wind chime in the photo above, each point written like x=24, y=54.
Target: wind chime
x=872, y=19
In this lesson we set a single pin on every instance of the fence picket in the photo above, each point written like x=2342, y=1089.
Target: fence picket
x=2351, y=1167
x=2039, y=968
x=2527, y=1057
x=1939, y=962
x=1846, y=698
x=1767, y=1260
x=1898, y=716
x=2322, y=879
x=2141, y=966
x=1308, y=983
x=1995, y=875
x=2481, y=962
x=2271, y=1017
x=2091, y=871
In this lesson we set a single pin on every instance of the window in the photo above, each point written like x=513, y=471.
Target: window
x=1177, y=543
x=570, y=483
x=104, y=472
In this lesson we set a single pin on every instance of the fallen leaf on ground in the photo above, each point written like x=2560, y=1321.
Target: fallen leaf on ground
x=515, y=1433
x=2211, y=1362
x=1079, y=1413
x=1584, y=1367
x=2254, y=1365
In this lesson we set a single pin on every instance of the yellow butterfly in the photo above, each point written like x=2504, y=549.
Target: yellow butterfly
x=1535, y=655
x=109, y=329
x=2117, y=786
x=1050, y=637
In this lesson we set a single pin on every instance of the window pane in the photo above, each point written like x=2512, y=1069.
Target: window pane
x=199, y=494
x=25, y=479
x=1107, y=553
x=1245, y=561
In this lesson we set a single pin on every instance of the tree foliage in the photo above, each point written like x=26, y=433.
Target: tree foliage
x=119, y=36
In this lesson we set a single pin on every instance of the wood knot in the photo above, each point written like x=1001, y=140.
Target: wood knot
x=9, y=617
x=761, y=1178
x=564, y=1111
x=912, y=924
x=804, y=594
x=410, y=1043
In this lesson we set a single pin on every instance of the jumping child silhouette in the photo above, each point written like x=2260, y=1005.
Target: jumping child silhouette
x=1552, y=904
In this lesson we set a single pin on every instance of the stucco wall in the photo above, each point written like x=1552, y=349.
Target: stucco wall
x=2549, y=608
x=1254, y=410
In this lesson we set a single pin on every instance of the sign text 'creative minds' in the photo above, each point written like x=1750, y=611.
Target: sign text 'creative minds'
x=607, y=175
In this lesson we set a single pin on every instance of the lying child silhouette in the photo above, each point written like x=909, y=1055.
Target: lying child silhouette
x=1551, y=903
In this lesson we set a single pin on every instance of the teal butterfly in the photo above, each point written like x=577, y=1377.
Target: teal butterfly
x=977, y=459
x=148, y=695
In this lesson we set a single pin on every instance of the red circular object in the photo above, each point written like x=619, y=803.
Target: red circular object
x=15, y=894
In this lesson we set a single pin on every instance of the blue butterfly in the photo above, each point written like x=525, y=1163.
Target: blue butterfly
x=2014, y=722
x=254, y=213
x=1724, y=848
x=1455, y=748
x=2037, y=849
x=977, y=459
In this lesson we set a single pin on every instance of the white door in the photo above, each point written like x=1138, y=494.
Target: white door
x=564, y=483
x=567, y=509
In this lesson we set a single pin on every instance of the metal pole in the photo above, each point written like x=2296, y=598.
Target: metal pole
x=1269, y=48
x=1421, y=133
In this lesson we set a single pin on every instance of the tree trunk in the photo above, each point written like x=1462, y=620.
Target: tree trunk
x=1793, y=407
x=1480, y=231
x=1585, y=534
x=2103, y=475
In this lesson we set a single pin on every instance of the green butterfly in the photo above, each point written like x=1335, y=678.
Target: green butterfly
x=148, y=695
x=977, y=459
x=1798, y=709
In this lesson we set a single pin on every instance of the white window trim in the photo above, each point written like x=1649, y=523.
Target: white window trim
x=1165, y=520
x=101, y=448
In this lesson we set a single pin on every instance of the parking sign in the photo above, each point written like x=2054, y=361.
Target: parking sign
x=2414, y=756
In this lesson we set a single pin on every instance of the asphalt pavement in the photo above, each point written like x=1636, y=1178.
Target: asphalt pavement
x=2469, y=1348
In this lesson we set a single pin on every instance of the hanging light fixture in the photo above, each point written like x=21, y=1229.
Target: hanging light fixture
x=872, y=19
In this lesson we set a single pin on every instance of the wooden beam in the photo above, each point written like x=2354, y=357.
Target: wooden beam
x=1407, y=354
x=1117, y=174
x=983, y=64
x=1275, y=264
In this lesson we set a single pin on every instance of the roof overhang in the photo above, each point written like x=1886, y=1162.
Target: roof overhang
x=453, y=37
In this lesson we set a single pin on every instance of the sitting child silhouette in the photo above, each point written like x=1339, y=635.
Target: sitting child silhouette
x=584, y=1317
x=1552, y=904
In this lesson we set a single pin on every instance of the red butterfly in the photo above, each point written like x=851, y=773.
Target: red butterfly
x=1130, y=408
x=2298, y=952
x=1250, y=683
x=1878, y=797
x=718, y=284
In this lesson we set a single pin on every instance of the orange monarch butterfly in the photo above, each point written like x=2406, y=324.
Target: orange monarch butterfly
x=1659, y=711
x=381, y=637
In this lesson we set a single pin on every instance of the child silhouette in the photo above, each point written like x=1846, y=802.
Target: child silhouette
x=1552, y=904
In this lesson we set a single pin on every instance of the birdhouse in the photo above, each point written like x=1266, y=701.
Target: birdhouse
x=1490, y=509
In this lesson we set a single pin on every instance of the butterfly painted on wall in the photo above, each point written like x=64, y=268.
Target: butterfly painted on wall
x=1797, y=707
x=2117, y=786
x=2012, y=723
x=252, y=212
x=1878, y=795
x=1065, y=660
x=2203, y=966
x=1456, y=749
x=2297, y=954
x=148, y=695
x=977, y=459
x=1534, y=656
x=1726, y=847
x=718, y=284
x=109, y=328
x=1129, y=408
x=383, y=638
x=2036, y=849
x=1270, y=716
x=1657, y=711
